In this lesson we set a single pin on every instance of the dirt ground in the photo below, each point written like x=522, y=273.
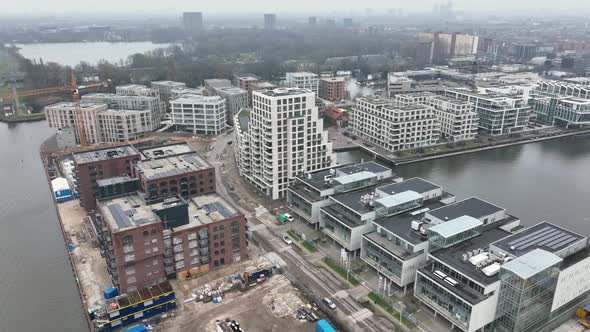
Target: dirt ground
x=269, y=307
x=91, y=267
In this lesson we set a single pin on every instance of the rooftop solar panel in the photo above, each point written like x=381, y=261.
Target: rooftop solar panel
x=538, y=238
x=528, y=235
x=563, y=243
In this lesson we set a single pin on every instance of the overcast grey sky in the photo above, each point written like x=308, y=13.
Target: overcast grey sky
x=41, y=7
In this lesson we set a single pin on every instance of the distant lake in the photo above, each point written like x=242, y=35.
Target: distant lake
x=72, y=54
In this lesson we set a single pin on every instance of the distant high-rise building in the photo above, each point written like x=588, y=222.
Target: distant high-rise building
x=312, y=20
x=270, y=21
x=193, y=22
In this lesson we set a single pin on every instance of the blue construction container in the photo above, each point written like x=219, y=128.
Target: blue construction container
x=323, y=326
x=110, y=293
x=136, y=328
x=61, y=190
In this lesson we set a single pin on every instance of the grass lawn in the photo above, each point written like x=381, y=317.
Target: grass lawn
x=375, y=298
x=338, y=269
x=294, y=236
x=309, y=246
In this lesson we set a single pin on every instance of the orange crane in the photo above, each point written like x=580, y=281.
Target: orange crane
x=73, y=88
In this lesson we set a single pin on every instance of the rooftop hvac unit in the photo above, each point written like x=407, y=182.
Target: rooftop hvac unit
x=464, y=257
x=469, y=254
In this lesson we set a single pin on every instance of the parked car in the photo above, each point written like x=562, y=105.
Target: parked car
x=329, y=303
x=287, y=240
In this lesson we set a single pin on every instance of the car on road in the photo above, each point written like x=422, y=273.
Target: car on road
x=230, y=142
x=329, y=303
x=287, y=240
x=210, y=147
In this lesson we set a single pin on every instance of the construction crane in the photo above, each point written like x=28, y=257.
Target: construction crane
x=73, y=87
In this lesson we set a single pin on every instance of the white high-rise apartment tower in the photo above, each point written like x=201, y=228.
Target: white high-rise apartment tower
x=280, y=138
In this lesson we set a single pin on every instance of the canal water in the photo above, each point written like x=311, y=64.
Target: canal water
x=547, y=180
x=37, y=288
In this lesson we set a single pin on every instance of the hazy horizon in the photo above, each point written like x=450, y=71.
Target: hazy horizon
x=306, y=7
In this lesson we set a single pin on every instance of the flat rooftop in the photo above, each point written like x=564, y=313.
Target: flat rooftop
x=332, y=79
x=532, y=263
x=113, y=180
x=544, y=235
x=105, y=154
x=172, y=166
x=206, y=209
x=165, y=151
x=127, y=212
x=231, y=90
x=193, y=98
x=473, y=207
x=352, y=200
x=169, y=83
x=375, y=100
x=401, y=224
x=316, y=179
x=282, y=92
x=453, y=256
x=418, y=185
x=72, y=106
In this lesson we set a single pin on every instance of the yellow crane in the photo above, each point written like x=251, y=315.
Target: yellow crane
x=73, y=87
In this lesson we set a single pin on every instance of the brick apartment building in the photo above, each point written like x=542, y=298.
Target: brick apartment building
x=95, y=165
x=185, y=175
x=332, y=89
x=131, y=240
x=144, y=244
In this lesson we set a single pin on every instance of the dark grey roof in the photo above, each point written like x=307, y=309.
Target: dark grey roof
x=473, y=207
x=105, y=154
x=352, y=200
x=316, y=179
x=453, y=256
x=415, y=184
x=400, y=224
x=543, y=235
x=370, y=166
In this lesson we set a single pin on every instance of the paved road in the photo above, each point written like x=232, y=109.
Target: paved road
x=319, y=281
x=323, y=284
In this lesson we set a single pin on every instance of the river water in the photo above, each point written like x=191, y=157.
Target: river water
x=540, y=181
x=37, y=287
x=547, y=180
x=71, y=54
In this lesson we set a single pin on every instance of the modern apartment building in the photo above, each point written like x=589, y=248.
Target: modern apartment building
x=394, y=125
x=166, y=176
x=303, y=80
x=177, y=92
x=280, y=138
x=235, y=99
x=165, y=88
x=92, y=166
x=556, y=110
x=498, y=113
x=63, y=115
x=481, y=277
x=332, y=89
x=312, y=191
x=199, y=114
x=124, y=125
x=129, y=102
x=458, y=121
x=244, y=80
x=214, y=83
x=144, y=244
x=136, y=90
